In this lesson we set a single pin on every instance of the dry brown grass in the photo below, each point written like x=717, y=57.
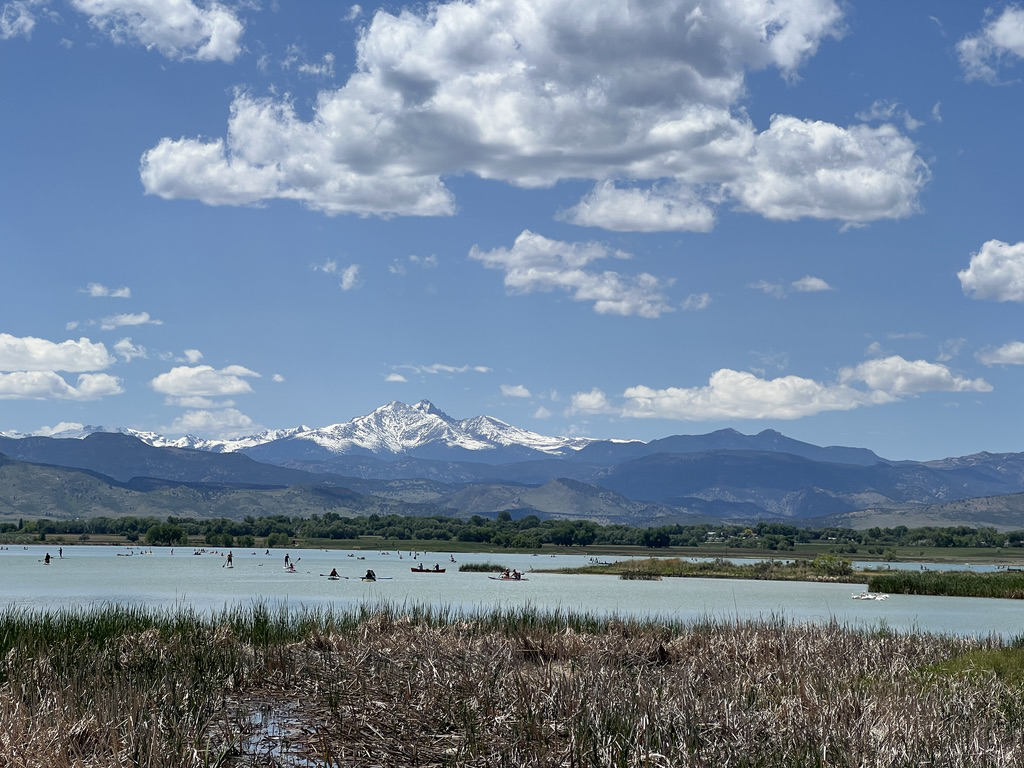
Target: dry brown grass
x=391, y=687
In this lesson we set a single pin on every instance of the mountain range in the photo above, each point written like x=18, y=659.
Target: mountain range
x=415, y=459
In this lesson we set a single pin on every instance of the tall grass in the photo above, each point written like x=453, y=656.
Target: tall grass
x=416, y=685
x=949, y=583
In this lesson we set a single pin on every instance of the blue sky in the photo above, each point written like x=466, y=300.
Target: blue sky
x=598, y=218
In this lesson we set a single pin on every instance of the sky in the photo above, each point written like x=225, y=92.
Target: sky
x=583, y=217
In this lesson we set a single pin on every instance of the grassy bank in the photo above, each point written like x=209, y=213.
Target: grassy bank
x=823, y=568
x=419, y=686
x=950, y=583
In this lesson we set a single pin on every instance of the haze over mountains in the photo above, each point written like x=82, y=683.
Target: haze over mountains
x=415, y=459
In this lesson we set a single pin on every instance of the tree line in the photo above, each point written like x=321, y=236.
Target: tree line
x=507, y=530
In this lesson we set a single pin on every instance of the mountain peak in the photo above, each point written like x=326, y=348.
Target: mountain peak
x=425, y=406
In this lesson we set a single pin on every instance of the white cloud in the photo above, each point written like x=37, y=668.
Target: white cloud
x=397, y=267
x=438, y=368
x=646, y=101
x=896, y=377
x=128, y=351
x=809, y=284
x=221, y=423
x=536, y=263
x=517, y=390
x=354, y=13
x=349, y=275
x=950, y=348
x=277, y=378
x=740, y=395
x=47, y=385
x=770, y=289
x=1011, y=353
x=396, y=378
x=32, y=354
x=889, y=111
x=594, y=401
x=64, y=426
x=97, y=290
x=995, y=272
x=204, y=381
x=733, y=394
x=697, y=301
x=192, y=356
x=132, y=318
x=1000, y=42
x=811, y=169
x=17, y=19
x=542, y=413
x=633, y=209
x=178, y=29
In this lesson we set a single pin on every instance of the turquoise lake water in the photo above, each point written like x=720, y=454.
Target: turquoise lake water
x=96, y=576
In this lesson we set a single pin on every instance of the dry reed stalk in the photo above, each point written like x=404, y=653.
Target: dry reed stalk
x=414, y=688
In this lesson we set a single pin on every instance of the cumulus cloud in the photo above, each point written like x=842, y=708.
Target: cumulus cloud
x=517, y=390
x=192, y=356
x=635, y=209
x=999, y=43
x=895, y=377
x=97, y=290
x=128, y=351
x=228, y=422
x=731, y=394
x=812, y=169
x=17, y=19
x=995, y=272
x=1011, y=353
x=48, y=385
x=809, y=284
x=542, y=413
x=536, y=263
x=594, y=401
x=643, y=99
x=32, y=354
x=395, y=378
x=131, y=318
x=178, y=29
x=204, y=381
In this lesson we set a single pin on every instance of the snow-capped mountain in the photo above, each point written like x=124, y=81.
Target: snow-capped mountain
x=391, y=431
x=421, y=430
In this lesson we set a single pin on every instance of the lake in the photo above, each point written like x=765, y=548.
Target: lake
x=89, y=576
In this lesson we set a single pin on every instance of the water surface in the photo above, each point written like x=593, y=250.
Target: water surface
x=165, y=578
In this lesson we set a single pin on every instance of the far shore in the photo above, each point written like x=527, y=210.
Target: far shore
x=1012, y=557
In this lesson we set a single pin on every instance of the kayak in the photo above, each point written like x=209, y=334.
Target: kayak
x=507, y=578
x=427, y=570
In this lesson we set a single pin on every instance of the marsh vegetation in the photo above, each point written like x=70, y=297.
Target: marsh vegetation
x=421, y=686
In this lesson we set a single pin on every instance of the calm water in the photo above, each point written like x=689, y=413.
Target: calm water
x=94, y=576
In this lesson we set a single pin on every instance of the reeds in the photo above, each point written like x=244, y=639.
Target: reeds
x=949, y=583
x=415, y=685
x=482, y=567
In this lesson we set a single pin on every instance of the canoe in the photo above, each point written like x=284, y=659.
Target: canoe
x=427, y=570
x=507, y=578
